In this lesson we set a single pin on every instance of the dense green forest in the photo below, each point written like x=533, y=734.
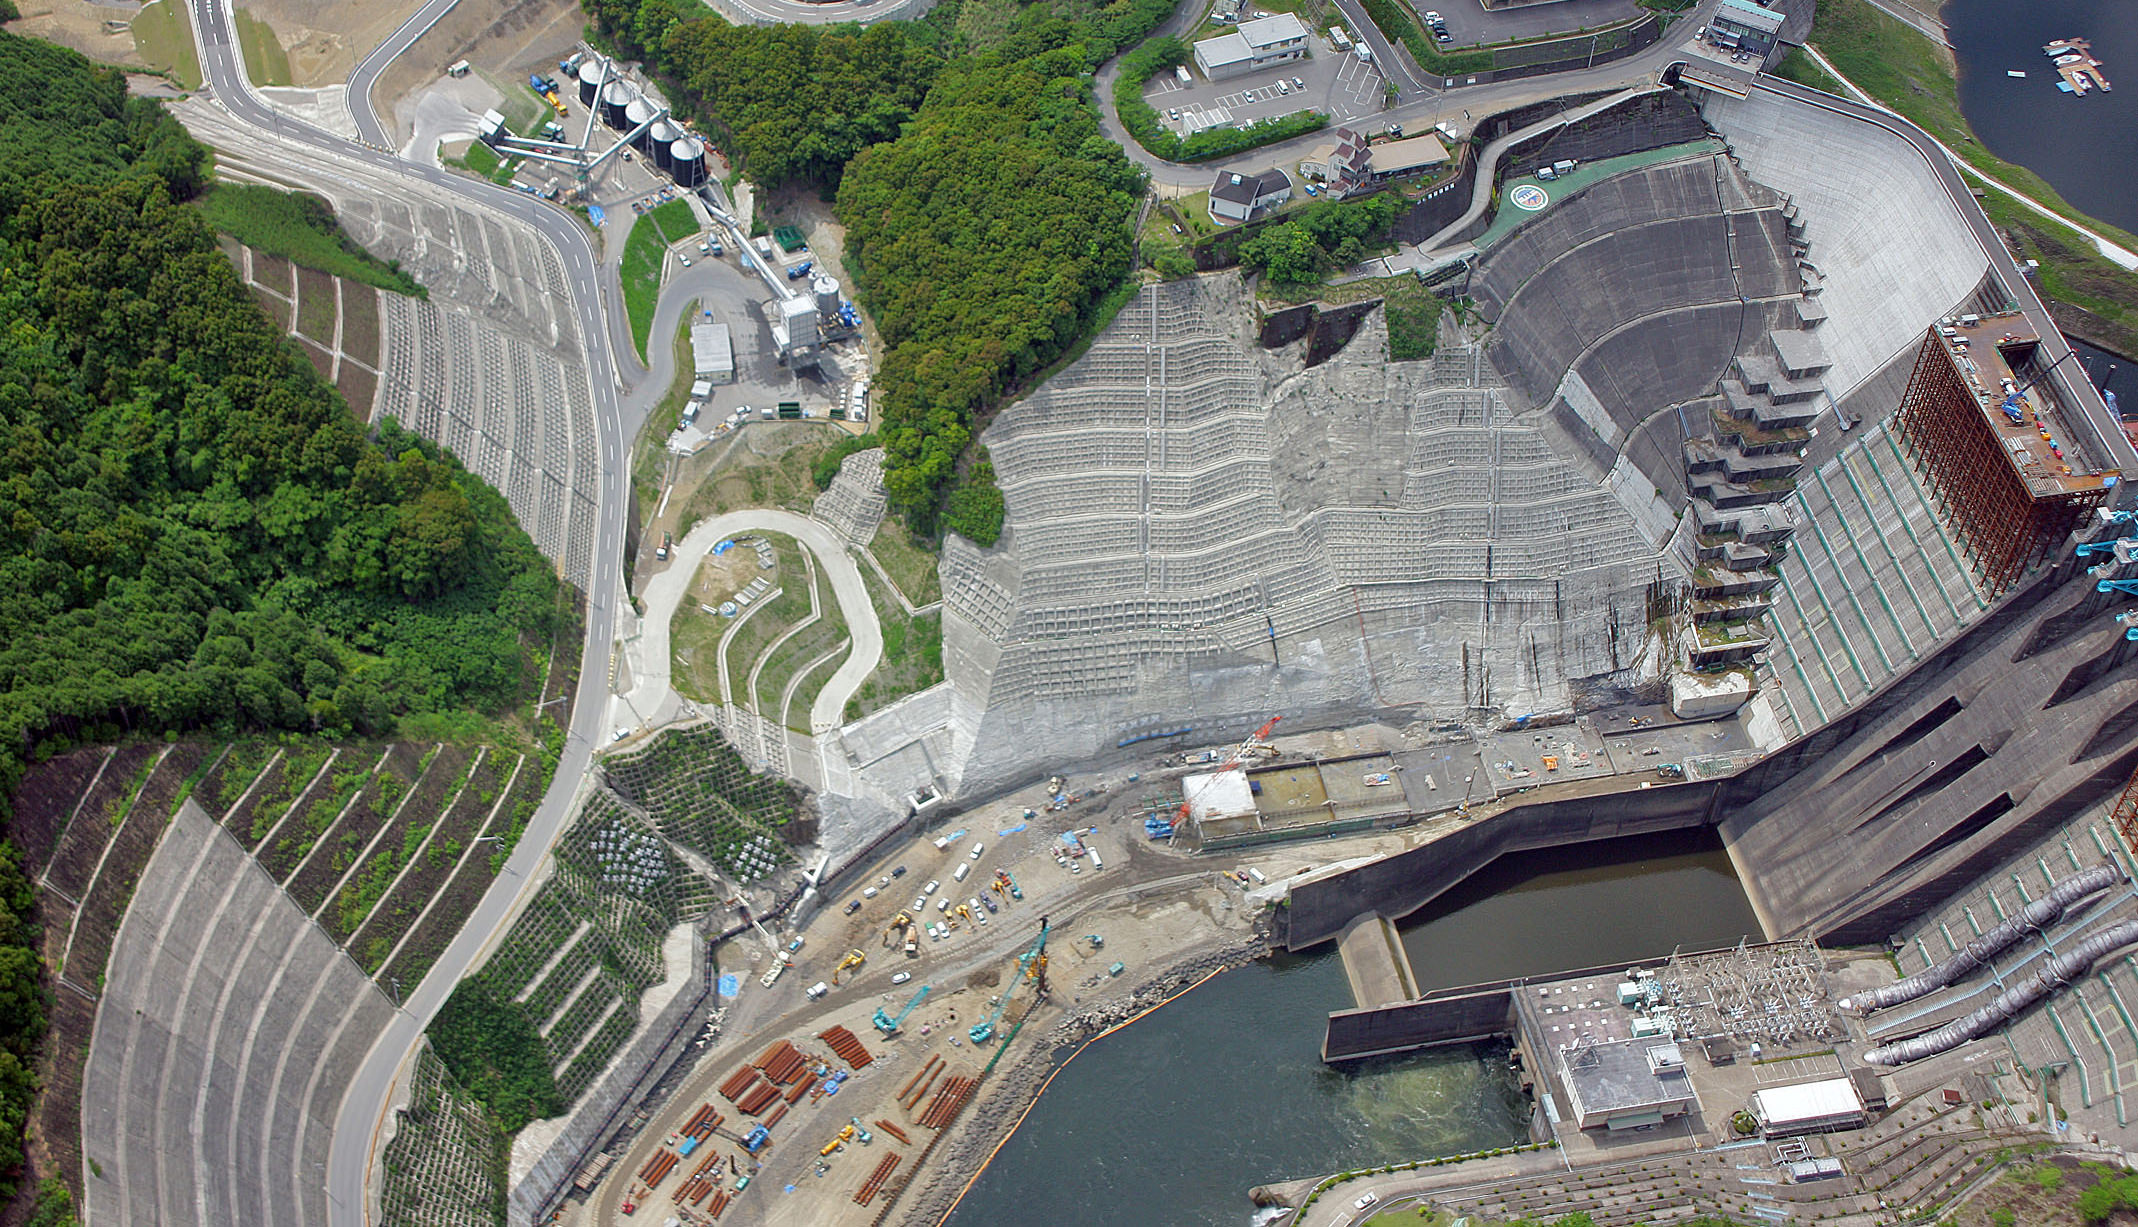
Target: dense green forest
x=493, y=1047
x=988, y=219
x=195, y=533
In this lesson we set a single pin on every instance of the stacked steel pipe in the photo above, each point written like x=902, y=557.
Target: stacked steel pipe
x=874, y=1184
x=848, y=1048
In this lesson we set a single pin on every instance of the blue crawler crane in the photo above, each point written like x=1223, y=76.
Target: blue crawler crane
x=1031, y=965
x=889, y=1025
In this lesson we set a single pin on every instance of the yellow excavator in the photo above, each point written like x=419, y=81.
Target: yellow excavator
x=899, y=924
x=853, y=959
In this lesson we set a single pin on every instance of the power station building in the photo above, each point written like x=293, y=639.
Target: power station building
x=1989, y=436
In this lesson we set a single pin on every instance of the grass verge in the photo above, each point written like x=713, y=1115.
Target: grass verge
x=649, y=455
x=1802, y=69
x=1892, y=62
x=644, y=252
x=163, y=34
x=774, y=618
x=265, y=60
x=912, y=654
x=2090, y=297
x=812, y=641
x=911, y=567
x=747, y=478
x=300, y=228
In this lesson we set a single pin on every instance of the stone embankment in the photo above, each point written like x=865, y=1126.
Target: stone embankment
x=1011, y=1091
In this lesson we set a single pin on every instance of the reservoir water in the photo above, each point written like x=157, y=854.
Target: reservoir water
x=2084, y=147
x=1171, y=1120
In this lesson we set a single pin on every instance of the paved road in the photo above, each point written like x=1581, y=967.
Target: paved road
x=2069, y=377
x=1422, y=104
x=365, y=77
x=665, y=591
x=364, y=1107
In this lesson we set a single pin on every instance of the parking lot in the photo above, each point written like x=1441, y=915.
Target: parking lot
x=1334, y=82
x=1470, y=23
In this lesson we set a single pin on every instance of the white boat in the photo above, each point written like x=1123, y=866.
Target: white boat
x=2013, y=72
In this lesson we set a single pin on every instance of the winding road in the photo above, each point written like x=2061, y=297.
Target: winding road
x=664, y=593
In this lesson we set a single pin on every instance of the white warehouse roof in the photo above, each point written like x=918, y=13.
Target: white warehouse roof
x=711, y=350
x=1224, y=794
x=1806, y=1102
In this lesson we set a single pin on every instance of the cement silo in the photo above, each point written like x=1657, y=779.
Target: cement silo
x=688, y=161
x=827, y=292
x=589, y=80
x=614, y=101
x=637, y=112
x=665, y=135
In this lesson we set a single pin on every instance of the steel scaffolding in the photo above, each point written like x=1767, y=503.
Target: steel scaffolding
x=2004, y=527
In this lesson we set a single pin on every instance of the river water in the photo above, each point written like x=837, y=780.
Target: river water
x=1171, y=1120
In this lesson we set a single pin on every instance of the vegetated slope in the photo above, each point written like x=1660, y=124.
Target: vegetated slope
x=194, y=531
x=986, y=223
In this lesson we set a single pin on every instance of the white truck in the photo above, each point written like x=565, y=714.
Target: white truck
x=1181, y=71
x=1096, y=862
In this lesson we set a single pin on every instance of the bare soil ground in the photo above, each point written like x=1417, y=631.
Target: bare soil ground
x=80, y=25
x=503, y=42
x=324, y=39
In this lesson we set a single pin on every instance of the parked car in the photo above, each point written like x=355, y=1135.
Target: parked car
x=902, y=977
x=852, y=906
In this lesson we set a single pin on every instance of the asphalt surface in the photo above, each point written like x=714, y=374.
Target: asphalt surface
x=1421, y=101
x=363, y=1108
x=365, y=77
x=2075, y=389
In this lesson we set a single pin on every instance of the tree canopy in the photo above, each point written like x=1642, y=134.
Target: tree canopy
x=195, y=532
x=784, y=102
x=987, y=216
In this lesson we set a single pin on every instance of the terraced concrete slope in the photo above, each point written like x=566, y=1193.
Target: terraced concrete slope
x=1201, y=533
x=229, y=1028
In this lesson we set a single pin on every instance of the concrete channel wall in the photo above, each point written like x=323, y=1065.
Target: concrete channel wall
x=1463, y=1018
x=1398, y=885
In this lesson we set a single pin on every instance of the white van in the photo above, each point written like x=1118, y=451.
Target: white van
x=958, y=875
x=1261, y=879
x=977, y=849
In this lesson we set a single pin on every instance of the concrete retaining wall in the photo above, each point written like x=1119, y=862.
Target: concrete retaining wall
x=1398, y=885
x=1353, y=1034
x=656, y=1045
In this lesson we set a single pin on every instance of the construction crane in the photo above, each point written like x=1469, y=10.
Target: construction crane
x=889, y=1025
x=1239, y=755
x=1032, y=965
x=2015, y=398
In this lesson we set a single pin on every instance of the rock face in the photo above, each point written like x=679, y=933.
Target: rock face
x=1201, y=533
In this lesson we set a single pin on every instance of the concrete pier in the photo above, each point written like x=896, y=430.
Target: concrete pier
x=1375, y=962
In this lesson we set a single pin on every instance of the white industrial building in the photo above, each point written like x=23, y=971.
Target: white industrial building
x=712, y=352
x=1255, y=44
x=1808, y=1107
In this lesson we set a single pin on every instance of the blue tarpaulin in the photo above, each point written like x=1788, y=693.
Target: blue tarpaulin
x=723, y=548
x=594, y=214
